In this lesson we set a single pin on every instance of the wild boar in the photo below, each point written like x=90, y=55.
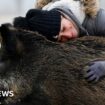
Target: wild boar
x=41, y=72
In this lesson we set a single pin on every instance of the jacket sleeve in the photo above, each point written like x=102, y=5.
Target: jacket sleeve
x=100, y=23
x=95, y=26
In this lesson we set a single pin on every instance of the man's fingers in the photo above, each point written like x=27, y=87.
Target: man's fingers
x=96, y=79
x=88, y=74
x=92, y=78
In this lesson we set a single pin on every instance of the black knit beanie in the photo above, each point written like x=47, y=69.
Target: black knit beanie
x=45, y=22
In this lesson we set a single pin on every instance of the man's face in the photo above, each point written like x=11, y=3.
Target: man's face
x=68, y=30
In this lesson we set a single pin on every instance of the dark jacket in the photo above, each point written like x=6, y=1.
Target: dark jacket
x=95, y=26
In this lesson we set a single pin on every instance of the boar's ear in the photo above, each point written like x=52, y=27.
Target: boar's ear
x=11, y=44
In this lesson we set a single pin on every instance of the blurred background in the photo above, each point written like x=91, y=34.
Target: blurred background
x=12, y=8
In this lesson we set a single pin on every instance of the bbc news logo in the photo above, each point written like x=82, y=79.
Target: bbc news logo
x=6, y=94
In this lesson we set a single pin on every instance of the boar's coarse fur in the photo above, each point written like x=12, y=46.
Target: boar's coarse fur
x=41, y=72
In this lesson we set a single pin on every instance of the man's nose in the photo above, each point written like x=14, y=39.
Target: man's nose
x=67, y=35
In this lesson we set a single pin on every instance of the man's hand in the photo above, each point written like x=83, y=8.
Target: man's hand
x=95, y=71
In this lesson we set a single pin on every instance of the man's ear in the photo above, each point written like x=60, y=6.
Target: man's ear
x=10, y=41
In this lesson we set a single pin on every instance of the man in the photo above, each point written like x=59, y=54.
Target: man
x=68, y=30
x=61, y=23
